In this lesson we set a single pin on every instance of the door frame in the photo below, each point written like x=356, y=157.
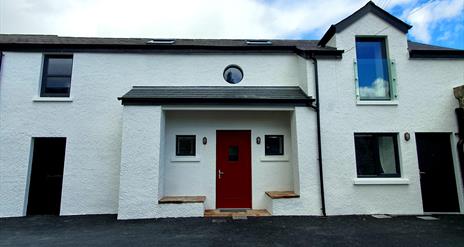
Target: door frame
x=28, y=178
x=456, y=169
x=216, y=162
x=29, y=171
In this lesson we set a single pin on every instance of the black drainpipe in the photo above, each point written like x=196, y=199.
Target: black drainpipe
x=319, y=148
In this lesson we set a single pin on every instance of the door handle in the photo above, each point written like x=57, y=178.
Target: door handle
x=220, y=173
x=422, y=173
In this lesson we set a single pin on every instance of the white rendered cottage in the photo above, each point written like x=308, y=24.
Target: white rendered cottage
x=359, y=122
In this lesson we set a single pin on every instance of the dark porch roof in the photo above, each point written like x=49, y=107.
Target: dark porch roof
x=215, y=95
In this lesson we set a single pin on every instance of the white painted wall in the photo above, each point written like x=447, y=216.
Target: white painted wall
x=140, y=161
x=197, y=176
x=92, y=121
x=304, y=134
x=426, y=104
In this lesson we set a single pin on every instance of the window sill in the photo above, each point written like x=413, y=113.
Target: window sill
x=274, y=158
x=380, y=102
x=52, y=99
x=185, y=159
x=380, y=181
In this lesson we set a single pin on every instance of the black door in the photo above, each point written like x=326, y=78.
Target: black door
x=46, y=176
x=438, y=183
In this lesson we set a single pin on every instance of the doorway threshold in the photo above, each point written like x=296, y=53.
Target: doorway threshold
x=236, y=213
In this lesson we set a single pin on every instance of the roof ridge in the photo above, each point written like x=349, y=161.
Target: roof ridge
x=149, y=38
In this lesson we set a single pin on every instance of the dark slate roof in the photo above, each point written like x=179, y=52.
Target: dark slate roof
x=61, y=40
x=419, y=50
x=161, y=95
x=306, y=48
x=370, y=7
x=59, y=43
x=412, y=45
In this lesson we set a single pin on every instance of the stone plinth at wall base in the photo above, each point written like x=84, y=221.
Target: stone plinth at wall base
x=174, y=210
x=287, y=207
x=285, y=203
x=179, y=210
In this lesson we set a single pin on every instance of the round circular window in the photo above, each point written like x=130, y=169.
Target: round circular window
x=233, y=74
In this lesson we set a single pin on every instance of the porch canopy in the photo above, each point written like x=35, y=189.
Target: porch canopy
x=181, y=95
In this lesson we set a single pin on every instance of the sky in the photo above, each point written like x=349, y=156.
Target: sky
x=438, y=22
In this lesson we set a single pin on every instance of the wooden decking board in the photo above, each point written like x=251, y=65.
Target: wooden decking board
x=182, y=199
x=248, y=213
x=281, y=194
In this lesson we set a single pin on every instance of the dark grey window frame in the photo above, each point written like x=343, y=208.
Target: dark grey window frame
x=194, y=145
x=45, y=75
x=384, y=41
x=396, y=151
x=274, y=154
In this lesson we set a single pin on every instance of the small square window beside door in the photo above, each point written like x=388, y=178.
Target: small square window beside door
x=377, y=155
x=274, y=145
x=56, y=76
x=185, y=145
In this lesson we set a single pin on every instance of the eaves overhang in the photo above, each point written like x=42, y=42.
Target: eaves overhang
x=436, y=54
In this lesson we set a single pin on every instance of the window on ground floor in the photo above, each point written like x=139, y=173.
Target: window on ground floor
x=185, y=145
x=274, y=144
x=377, y=155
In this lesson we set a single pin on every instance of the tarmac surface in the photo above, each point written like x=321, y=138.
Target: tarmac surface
x=105, y=230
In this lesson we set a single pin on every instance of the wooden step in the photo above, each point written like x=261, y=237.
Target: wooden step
x=248, y=213
x=282, y=194
x=182, y=199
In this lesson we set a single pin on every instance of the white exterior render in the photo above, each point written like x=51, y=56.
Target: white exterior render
x=121, y=159
x=425, y=104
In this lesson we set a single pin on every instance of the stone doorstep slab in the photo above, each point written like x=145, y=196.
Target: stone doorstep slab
x=282, y=194
x=427, y=218
x=381, y=216
x=237, y=215
x=182, y=199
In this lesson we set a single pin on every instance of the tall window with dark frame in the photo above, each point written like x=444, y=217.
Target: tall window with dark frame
x=56, y=76
x=372, y=69
x=274, y=144
x=185, y=145
x=377, y=155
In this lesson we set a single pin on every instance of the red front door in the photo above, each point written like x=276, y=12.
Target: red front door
x=233, y=169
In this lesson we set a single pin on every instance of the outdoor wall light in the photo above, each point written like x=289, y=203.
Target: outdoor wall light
x=205, y=140
x=407, y=136
x=258, y=140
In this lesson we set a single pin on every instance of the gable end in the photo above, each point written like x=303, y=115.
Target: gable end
x=370, y=7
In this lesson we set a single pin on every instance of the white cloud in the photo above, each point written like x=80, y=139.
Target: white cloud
x=427, y=16
x=174, y=18
x=445, y=36
x=388, y=4
x=379, y=88
x=203, y=18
